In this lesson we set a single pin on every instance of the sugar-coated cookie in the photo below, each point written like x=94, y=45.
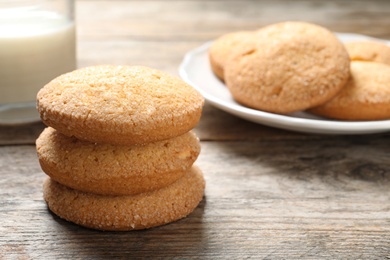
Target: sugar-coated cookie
x=223, y=47
x=369, y=51
x=121, y=213
x=291, y=66
x=366, y=96
x=115, y=169
x=119, y=105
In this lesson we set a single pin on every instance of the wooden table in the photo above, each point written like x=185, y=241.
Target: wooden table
x=271, y=194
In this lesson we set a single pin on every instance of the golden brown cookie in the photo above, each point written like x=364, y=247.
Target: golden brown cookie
x=122, y=213
x=365, y=97
x=291, y=66
x=115, y=169
x=223, y=47
x=119, y=105
x=369, y=51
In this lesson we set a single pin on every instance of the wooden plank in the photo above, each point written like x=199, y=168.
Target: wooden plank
x=204, y=20
x=319, y=198
x=165, y=56
x=20, y=134
x=215, y=125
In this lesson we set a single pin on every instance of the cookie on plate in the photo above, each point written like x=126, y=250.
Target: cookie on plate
x=223, y=47
x=369, y=51
x=122, y=213
x=290, y=66
x=119, y=105
x=366, y=96
x=115, y=169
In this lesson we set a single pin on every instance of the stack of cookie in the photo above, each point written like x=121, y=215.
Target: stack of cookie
x=119, y=148
x=292, y=66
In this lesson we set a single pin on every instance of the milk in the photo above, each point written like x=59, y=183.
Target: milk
x=35, y=47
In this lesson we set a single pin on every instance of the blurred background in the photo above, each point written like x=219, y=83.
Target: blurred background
x=170, y=28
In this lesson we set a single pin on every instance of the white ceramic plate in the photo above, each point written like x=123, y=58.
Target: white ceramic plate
x=195, y=70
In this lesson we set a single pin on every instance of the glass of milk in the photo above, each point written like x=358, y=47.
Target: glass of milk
x=37, y=44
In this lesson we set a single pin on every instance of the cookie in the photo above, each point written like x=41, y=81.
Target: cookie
x=122, y=213
x=115, y=169
x=369, y=51
x=291, y=66
x=366, y=96
x=223, y=47
x=119, y=105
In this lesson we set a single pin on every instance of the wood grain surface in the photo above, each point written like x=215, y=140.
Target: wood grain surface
x=270, y=193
